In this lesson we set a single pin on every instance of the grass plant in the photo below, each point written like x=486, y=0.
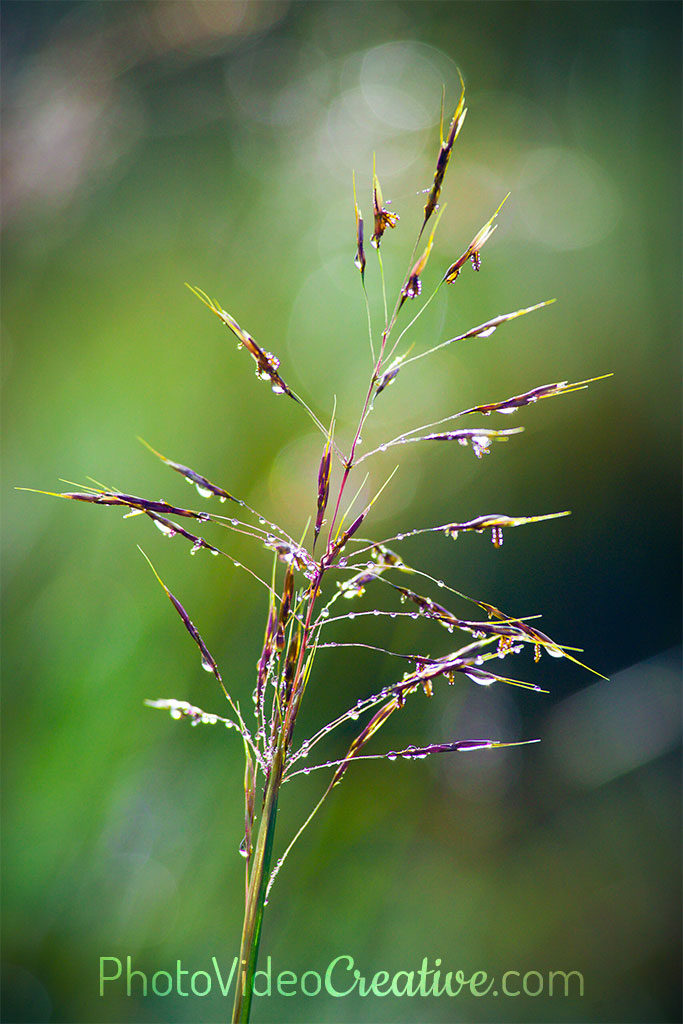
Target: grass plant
x=316, y=576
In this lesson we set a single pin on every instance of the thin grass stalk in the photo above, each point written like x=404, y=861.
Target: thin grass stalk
x=256, y=896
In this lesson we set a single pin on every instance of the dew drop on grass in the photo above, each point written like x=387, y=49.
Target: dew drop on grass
x=207, y=665
x=167, y=531
x=392, y=755
x=243, y=848
x=203, y=492
x=222, y=499
x=175, y=713
x=197, y=546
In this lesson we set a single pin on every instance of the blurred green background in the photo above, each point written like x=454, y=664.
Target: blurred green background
x=148, y=144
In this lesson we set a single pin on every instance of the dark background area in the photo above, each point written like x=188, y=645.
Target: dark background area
x=149, y=144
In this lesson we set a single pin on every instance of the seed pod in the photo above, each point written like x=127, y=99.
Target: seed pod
x=285, y=609
x=445, y=153
x=204, y=487
x=323, y=489
x=383, y=218
x=291, y=663
x=266, y=363
x=413, y=285
x=472, y=252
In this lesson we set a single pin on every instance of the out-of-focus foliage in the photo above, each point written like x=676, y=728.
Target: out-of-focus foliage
x=146, y=144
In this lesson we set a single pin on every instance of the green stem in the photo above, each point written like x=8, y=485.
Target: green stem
x=253, y=914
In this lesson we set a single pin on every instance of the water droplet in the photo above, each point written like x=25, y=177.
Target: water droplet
x=214, y=552
x=353, y=715
x=324, y=613
x=305, y=750
x=359, y=441
x=234, y=522
x=244, y=848
x=197, y=546
x=352, y=615
x=383, y=447
x=343, y=562
x=222, y=499
x=413, y=615
x=167, y=530
x=392, y=615
x=261, y=520
x=400, y=536
x=175, y=713
x=440, y=583
x=376, y=611
x=392, y=755
x=203, y=492
x=306, y=771
x=207, y=664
